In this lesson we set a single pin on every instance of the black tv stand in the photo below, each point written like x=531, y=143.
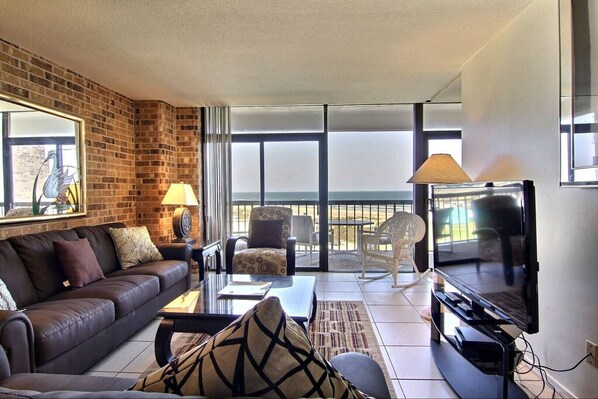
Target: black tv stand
x=472, y=373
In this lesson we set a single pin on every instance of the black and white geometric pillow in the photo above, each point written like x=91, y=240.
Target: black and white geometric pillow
x=263, y=353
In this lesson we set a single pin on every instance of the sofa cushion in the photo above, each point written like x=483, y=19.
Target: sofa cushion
x=14, y=274
x=169, y=272
x=38, y=255
x=6, y=300
x=134, y=246
x=263, y=353
x=102, y=244
x=126, y=292
x=61, y=325
x=78, y=262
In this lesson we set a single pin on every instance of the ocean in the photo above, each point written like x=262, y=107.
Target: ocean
x=332, y=196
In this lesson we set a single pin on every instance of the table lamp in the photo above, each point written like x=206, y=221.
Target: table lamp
x=181, y=194
x=439, y=169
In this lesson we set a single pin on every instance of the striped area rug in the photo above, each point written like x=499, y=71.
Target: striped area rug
x=339, y=327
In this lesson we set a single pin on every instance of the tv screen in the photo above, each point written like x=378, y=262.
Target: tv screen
x=485, y=245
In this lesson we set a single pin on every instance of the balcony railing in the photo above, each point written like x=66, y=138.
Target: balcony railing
x=343, y=238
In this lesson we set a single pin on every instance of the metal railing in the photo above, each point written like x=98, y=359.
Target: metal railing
x=343, y=238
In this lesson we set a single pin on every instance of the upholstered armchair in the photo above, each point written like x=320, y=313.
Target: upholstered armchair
x=270, y=247
x=498, y=227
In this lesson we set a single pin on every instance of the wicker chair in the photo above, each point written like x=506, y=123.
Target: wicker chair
x=402, y=231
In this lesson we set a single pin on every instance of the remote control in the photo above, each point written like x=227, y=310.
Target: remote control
x=452, y=297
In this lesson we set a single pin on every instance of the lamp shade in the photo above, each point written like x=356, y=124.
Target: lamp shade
x=180, y=194
x=439, y=169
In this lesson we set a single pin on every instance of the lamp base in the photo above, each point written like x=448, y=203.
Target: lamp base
x=181, y=223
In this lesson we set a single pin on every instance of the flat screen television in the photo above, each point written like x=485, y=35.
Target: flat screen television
x=484, y=238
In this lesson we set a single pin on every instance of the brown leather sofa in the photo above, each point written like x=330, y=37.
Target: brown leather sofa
x=64, y=330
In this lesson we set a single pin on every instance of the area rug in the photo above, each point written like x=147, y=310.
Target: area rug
x=339, y=327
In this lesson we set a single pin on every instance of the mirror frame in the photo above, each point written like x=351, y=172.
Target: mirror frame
x=569, y=177
x=80, y=147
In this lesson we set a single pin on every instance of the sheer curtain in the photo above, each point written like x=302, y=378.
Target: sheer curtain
x=217, y=173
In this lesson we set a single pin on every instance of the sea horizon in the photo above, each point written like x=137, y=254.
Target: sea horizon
x=332, y=196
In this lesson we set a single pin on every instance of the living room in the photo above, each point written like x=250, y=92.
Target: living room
x=510, y=120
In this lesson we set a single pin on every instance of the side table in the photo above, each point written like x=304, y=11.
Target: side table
x=201, y=251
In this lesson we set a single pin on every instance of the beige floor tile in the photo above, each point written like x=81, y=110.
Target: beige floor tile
x=338, y=277
x=342, y=296
x=413, y=363
x=349, y=286
x=395, y=314
x=121, y=357
x=388, y=363
x=148, y=333
x=405, y=334
x=398, y=391
x=129, y=375
x=418, y=298
x=427, y=389
x=385, y=298
x=142, y=361
x=101, y=373
x=534, y=389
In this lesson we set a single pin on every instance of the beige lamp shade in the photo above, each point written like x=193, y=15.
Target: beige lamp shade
x=180, y=194
x=439, y=169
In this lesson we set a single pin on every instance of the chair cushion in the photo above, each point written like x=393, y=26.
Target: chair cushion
x=61, y=325
x=78, y=262
x=260, y=261
x=169, y=272
x=134, y=246
x=265, y=234
x=126, y=292
x=263, y=353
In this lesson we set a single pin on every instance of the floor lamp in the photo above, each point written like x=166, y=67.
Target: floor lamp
x=438, y=169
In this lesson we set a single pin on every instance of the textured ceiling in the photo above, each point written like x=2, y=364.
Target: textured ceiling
x=243, y=52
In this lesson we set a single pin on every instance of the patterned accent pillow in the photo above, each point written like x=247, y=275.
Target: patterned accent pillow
x=134, y=246
x=263, y=353
x=6, y=301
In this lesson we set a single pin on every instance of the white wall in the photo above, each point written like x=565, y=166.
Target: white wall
x=510, y=131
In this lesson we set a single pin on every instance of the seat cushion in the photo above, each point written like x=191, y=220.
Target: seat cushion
x=263, y=353
x=169, y=272
x=61, y=325
x=126, y=292
x=260, y=261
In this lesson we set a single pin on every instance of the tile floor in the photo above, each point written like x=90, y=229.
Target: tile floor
x=400, y=330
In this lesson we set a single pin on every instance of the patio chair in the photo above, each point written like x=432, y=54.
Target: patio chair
x=304, y=232
x=443, y=226
x=402, y=231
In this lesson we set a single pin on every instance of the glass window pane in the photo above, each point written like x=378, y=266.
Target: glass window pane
x=291, y=171
x=370, y=118
x=291, y=119
x=443, y=116
x=452, y=147
x=245, y=183
x=40, y=124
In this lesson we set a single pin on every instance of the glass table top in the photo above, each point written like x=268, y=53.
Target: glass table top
x=295, y=294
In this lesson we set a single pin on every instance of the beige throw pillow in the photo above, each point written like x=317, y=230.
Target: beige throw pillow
x=264, y=353
x=6, y=300
x=134, y=246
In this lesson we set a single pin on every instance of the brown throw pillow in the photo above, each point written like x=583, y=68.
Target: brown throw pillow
x=78, y=262
x=265, y=234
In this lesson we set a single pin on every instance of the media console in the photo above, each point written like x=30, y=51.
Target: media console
x=478, y=355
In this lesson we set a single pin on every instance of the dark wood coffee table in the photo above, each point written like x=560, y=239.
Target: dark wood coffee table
x=210, y=314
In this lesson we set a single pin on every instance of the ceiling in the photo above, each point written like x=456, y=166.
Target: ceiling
x=262, y=52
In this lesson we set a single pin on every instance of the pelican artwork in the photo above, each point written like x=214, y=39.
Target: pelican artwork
x=56, y=185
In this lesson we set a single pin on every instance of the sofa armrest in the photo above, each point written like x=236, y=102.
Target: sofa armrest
x=16, y=339
x=176, y=251
x=363, y=372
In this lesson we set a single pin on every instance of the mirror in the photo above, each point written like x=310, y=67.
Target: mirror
x=579, y=92
x=42, y=163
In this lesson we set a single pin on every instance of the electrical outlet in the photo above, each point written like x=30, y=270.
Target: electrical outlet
x=593, y=349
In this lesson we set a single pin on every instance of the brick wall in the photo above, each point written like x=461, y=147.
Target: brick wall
x=131, y=146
